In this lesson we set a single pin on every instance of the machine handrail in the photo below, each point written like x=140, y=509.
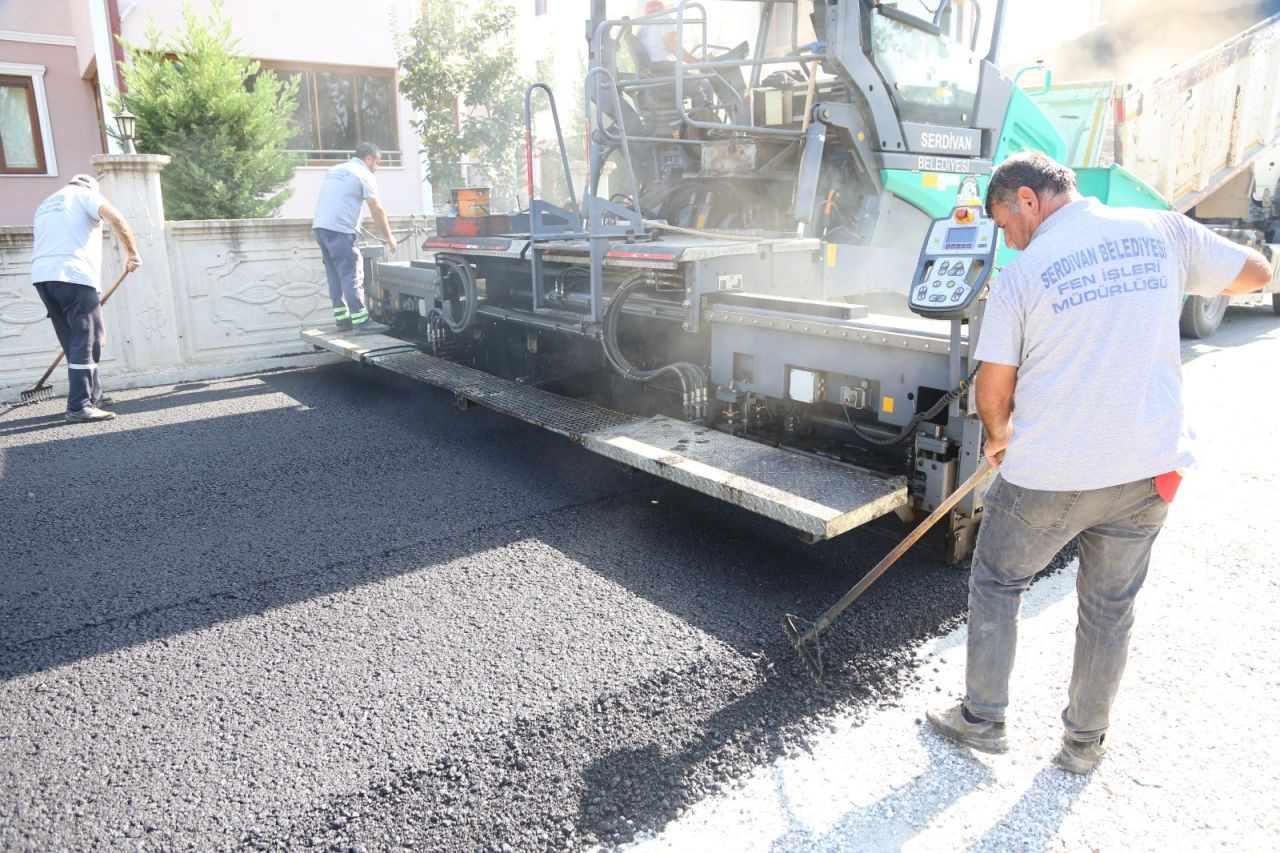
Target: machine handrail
x=528, y=143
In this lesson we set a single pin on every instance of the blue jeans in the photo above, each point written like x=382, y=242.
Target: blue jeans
x=1022, y=529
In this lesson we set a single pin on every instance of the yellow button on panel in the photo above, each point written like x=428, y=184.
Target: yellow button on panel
x=886, y=405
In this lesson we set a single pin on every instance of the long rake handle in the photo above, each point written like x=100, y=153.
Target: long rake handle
x=870, y=577
x=119, y=280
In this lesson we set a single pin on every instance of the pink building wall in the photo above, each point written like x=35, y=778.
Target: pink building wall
x=73, y=120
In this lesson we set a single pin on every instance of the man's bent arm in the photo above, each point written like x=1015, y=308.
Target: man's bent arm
x=994, y=395
x=1254, y=275
x=380, y=217
x=124, y=234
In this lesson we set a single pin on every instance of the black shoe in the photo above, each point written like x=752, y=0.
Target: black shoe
x=368, y=327
x=343, y=325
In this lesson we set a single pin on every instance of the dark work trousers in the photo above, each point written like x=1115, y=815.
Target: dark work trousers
x=76, y=312
x=345, y=272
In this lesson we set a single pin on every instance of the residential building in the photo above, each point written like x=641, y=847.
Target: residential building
x=56, y=78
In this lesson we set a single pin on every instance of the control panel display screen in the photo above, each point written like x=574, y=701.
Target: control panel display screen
x=961, y=238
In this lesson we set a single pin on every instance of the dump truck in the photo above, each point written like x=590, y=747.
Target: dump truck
x=769, y=287
x=1201, y=133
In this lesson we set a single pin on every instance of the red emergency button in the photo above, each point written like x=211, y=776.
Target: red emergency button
x=963, y=215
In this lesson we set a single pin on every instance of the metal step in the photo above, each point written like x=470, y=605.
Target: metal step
x=820, y=498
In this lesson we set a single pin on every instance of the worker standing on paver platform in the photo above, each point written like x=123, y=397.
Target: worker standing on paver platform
x=1084, y=325
x=66, y=269
x=337, y=222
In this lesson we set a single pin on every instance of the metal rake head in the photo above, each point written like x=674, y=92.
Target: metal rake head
x=803, y=635
x=38, y=394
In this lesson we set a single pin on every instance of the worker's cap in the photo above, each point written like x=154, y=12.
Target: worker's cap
x=87, y=181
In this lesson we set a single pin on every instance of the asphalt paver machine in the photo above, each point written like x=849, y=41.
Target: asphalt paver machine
x=769, y=287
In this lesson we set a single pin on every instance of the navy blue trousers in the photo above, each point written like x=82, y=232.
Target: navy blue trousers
x=76, y=312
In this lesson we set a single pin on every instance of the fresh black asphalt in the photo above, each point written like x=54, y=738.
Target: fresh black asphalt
x=325, y=607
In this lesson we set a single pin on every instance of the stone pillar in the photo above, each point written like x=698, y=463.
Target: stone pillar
x=142, y=318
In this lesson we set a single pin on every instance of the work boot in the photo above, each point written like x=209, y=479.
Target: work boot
x=368, y=327
x=343, y=325
x=89, y=413
x=103, y=402
x=984, y=735
x=1079, y=756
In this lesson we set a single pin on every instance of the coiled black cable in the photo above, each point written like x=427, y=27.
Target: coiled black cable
x=470, y=292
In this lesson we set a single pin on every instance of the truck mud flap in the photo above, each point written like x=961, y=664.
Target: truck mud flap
x=817, y=497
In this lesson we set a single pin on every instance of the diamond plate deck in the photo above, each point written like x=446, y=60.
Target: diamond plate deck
x=822, y=499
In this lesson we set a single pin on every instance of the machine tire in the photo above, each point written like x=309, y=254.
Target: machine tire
x=1201, y=316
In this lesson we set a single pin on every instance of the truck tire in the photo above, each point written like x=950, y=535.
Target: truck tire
x=1201, y=316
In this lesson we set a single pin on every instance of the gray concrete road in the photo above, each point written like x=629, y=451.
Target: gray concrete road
x=327, y=608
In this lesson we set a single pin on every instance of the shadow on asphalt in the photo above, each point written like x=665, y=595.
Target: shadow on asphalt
x=131, y=535
x=343, y=476
x=126, y=535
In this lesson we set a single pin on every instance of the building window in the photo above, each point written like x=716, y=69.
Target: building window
x=23, y=121
x=338, y=109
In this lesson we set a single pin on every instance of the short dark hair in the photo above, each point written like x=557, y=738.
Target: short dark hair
x=1031, y=169
x=367, y=149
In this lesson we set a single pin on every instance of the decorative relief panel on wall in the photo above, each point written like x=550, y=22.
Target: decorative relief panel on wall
x=218, y=295
x=250, y=293
x=27, y=339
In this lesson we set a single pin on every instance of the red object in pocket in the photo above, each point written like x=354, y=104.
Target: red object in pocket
x=1167, y=485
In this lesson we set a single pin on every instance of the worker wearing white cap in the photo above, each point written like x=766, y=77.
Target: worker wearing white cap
x=66, y=271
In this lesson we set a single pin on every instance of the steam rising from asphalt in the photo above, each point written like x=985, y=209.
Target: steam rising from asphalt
x=1141, y=38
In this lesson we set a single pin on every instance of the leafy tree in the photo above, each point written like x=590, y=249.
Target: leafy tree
x=460, y=76
x=221, y=118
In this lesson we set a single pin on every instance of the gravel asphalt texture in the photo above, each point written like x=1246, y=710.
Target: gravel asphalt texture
x=326, y=608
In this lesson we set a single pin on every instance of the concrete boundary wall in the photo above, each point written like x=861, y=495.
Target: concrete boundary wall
x=213, y=298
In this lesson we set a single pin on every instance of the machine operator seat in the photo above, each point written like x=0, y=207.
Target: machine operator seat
x=619, y=110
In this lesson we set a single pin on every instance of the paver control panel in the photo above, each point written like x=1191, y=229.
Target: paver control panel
x=954, y=265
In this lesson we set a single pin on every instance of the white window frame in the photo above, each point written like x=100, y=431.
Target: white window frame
x=36, y=73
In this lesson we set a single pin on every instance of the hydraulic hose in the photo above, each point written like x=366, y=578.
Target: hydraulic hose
x=470, y=292
x=920, y=417
x=693, y=380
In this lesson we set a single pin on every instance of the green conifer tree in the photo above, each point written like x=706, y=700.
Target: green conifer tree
x=222, y=119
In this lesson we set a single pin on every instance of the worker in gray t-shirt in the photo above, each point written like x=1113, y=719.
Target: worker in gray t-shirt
x=1080, y=394
x=346, y=187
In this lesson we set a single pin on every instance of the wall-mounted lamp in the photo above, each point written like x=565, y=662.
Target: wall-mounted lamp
x=125, y=124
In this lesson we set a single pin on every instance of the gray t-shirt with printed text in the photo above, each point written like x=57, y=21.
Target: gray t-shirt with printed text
x=1088, y=313
x=343, y=191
